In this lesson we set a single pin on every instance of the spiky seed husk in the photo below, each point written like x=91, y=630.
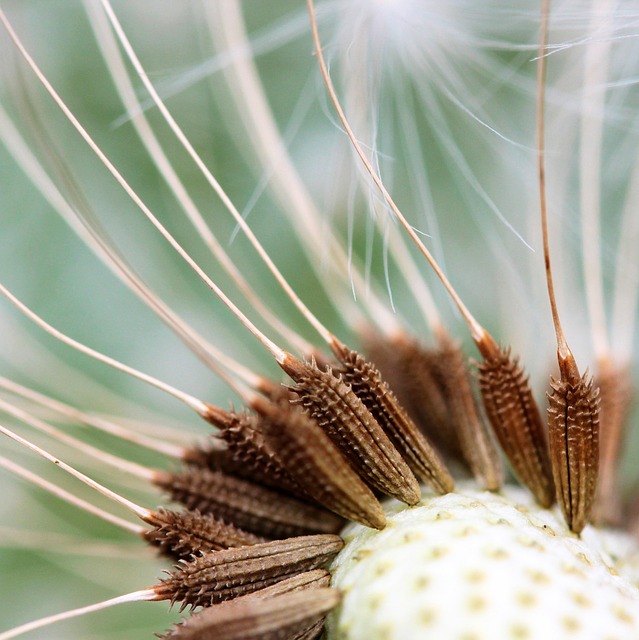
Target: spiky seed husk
x=183, y=534
x=409, y=369
x=514, y=416
x=367, y=384
x=428, y=396
x=573, y=421
x=248, y=455
x=316, y=579
x=347, y=421
x=475, y=441
x=317, y=464
x=615, y=400
x=246, y=504
x=223, y=575
x=284, y=617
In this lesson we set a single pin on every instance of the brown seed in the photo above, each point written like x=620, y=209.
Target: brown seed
x=436, y=387
x=615, y=400
x=411, y=371
x=574, y=447
x=573, y=410
x=183, y=534
x=317, y=464
x=514, y=416
x=367, y=384
x=350, y=425
x=284, y=617
x=248, y=455
x=475, y=441
x=246, y=504
x=223, y=575
x=316, y=579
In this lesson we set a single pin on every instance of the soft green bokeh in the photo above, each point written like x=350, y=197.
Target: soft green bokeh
x=45, y=264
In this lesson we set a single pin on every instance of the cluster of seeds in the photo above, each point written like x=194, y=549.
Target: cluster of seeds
x=261, y=540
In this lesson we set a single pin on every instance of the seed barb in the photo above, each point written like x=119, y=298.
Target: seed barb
x=516, y=421
x=290, y=616
x=246, y=504
x=317, y=464
x=367, y=384
x=223, y=575
x=347, y=421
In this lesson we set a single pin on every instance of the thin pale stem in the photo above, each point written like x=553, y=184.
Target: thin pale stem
x=226, y=23
x=276, y=351
x=139, y=511
x=107, y=426
x=326, y=335
x=194, y=403
x=77, y=217
x=136, y=596
x=566, y=361
x=94, y=452
x=145, y=132
x=59, y=492
x=478, y=333
x=28, y=355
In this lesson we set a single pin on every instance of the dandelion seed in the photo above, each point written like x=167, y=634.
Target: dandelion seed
x=438, y=107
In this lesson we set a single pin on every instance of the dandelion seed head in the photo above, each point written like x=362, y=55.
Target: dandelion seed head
x=441, y=98
x=478, y=564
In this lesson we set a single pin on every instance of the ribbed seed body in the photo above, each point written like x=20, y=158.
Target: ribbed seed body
x=367, y=384
x=183, y=534
x=247, y=505
x=615, y=400
x=573, y=423
x=223, y=575
x=408, y=367
x=211, y=619
x=347, y=421
x=318, y=465
x=289, y=616
x=475, y=441
x=248, y=455
x=516, y=421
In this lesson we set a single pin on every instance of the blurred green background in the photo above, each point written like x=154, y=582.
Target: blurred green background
x=474, y=174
